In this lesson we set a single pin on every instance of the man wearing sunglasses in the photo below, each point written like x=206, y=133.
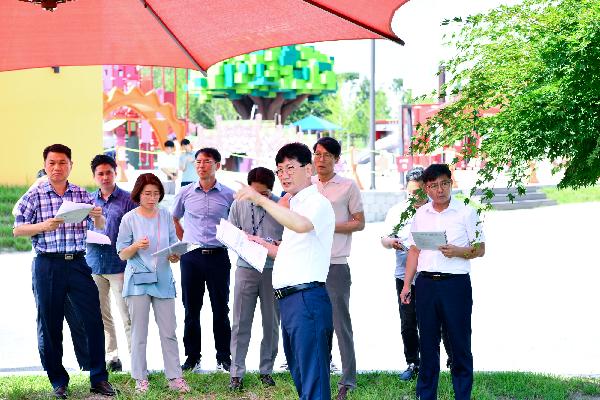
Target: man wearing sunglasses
x=443, y=284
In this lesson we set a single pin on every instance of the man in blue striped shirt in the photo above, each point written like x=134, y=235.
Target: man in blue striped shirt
x=60, y=269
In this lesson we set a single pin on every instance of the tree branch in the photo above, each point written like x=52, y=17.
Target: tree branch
x=290, y=106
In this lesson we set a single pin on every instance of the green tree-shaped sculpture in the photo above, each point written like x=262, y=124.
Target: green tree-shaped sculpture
x=275, y=80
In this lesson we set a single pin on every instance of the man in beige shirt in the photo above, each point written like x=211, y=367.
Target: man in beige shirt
x=344, y=195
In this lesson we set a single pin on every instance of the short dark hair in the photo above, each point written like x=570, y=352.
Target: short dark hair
x=57, y=148
x=434, y=171
x=262, y=175
x=294, y=151
x=40, y=173
x=210, y=152
x=415, y=174
x=169, y=143
x=331, y=145
x=103, y=159
x=184, y=142
x=142, y=181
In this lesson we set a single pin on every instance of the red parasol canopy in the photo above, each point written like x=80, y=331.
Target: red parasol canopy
x=180, y=33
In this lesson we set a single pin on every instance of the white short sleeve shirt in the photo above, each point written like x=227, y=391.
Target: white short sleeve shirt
x=462, y=226
x=304, y=257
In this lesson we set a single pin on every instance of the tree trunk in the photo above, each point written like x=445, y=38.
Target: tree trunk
x=267, y=107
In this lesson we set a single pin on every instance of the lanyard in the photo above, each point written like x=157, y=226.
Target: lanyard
x=157, y=241
x=256, y=227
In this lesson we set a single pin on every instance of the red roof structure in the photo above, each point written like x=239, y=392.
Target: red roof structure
x=179, y=33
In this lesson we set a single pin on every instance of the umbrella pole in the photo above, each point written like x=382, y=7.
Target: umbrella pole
x=372, y=104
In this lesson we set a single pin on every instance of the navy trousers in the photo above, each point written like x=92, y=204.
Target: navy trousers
x=54, y=280
x=307, y=331
x=408, y=328
x=447, y=302
x=75, y=326
x=199, y=272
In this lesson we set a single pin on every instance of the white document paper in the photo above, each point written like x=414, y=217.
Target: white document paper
x=178, y=248
x=429, y=240
x=97, y=238
x=236, y=239
x=73, y=213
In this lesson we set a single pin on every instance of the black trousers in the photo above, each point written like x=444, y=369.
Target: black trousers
x=198, y=273
x=54, y=280
x=448, y=303
x=76, y=327
x=409, y=328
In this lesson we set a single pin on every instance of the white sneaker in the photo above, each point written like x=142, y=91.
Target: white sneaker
x=197, y=368
x=333, y=369
x=141, y=385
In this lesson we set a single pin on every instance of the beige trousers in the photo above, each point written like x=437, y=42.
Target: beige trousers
x=107, y=283
x=164, y=315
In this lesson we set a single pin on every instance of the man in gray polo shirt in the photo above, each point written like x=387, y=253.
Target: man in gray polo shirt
x=344, y=195
x=250, y=284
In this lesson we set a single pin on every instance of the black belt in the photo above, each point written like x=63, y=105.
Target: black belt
x=438, y=276
x=286, y=291
x=64, y=256
x=211, y=251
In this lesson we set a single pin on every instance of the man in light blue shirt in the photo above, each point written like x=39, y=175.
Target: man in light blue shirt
x=187, y=164
x=202, y=206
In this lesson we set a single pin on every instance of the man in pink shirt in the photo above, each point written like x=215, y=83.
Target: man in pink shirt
x=344, y=195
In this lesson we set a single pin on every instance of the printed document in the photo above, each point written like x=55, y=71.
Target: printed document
x=73, y=213
x=429, y=240
x=178, y=248
x=97, y=238
x=236, y=239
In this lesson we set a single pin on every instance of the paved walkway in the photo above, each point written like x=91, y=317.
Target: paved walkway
x=536, y=301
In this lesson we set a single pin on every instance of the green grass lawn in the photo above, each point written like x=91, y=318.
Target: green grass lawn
x=564, y=196
x=371, y=386
x=8, y=197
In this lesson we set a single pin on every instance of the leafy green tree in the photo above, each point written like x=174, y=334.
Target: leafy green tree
x=204, y=113
x=275, y=81
x=535, y=67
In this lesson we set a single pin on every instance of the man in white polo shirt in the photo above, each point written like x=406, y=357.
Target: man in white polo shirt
x=443, y=284
x=300, y=270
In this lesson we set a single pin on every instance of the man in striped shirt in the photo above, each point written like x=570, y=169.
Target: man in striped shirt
x=60, y=269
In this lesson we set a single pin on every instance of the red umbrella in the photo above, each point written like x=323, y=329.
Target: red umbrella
x=180, y=33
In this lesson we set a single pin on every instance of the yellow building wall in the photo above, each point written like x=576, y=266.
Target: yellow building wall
x=38, y=108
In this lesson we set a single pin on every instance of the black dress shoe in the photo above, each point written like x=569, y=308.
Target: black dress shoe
x=114, y=366
x=236, y=383
x=267, y=380
x=343, y=393
x=60, y=392
x=104, y=388
x=190, y=364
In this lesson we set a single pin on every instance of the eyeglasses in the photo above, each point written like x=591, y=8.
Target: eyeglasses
x=324, y=156
x=290, y=170
x=204, y=162
x=443, y=184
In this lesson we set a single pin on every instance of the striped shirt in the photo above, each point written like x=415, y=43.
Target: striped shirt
x=41, y=204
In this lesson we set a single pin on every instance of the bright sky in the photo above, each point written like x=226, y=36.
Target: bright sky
x=418, y=23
